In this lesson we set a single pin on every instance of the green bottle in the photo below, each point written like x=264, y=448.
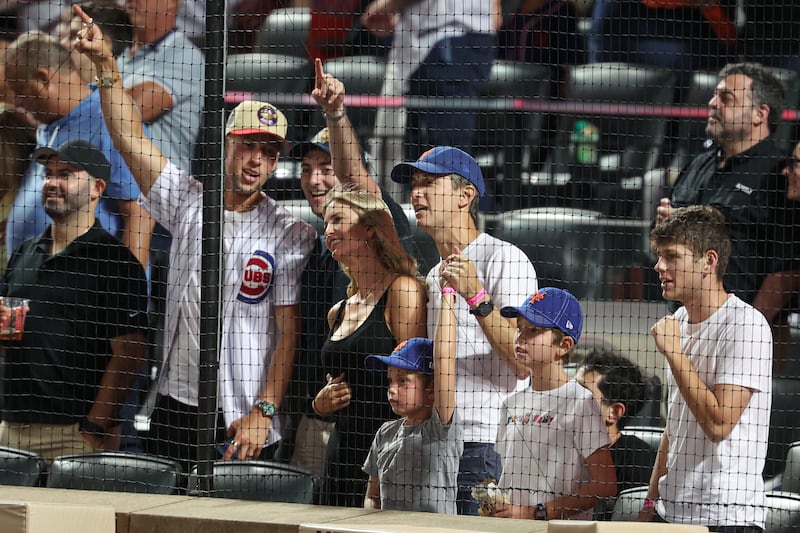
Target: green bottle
x=586, y=143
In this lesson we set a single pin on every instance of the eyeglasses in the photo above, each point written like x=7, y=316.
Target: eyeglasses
x=791, y=163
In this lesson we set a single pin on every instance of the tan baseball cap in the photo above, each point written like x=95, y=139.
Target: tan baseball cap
x=252, y=116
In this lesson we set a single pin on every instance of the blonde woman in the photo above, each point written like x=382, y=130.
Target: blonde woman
x=385, y=306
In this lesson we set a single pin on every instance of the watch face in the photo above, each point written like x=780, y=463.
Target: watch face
x=267, y=408
x=483, y=309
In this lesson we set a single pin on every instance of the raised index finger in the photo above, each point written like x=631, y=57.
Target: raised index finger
x=319, y=74
x=81, y=13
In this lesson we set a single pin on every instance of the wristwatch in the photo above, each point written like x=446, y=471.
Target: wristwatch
x=267, y=409
x=482, y=309
x=541, y=512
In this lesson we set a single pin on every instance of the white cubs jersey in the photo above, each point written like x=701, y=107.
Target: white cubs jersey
x=265, y=251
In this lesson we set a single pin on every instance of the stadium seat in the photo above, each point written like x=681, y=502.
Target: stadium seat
x=790, y=478
x=628, y=504
x=566, y=246
x=784, y=425
x=509, y=138
x=593, y=256
x=282, y=80
x=262, y=481
x=285, y=31
x=614, y=100
x=116, y=471
x=361, y=76
x=783, y=512
x=649, y=434
x=20, y=467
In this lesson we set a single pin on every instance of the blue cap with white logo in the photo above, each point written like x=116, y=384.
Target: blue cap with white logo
x=550, y=308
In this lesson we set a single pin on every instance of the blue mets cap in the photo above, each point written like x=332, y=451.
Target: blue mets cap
x=550, y=308
x=414, y=354
x=443, y=160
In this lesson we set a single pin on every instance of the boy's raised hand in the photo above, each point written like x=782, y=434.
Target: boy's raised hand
x=328, y=91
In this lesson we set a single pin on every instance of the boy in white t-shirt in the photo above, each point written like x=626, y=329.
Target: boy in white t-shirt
x=719, y=351
x=413, y=462
x=552, y=437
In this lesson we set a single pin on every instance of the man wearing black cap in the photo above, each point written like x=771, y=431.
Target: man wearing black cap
x=83, y=339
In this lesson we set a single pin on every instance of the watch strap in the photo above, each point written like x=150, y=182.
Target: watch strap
x=267, y=409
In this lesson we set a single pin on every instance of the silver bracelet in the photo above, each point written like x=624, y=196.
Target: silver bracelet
x=335, y=118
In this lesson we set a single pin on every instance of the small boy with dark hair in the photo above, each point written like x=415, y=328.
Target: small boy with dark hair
x=554, y=444
x=620, y=388
x=413, y=462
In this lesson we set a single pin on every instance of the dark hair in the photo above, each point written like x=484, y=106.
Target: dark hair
x=767, y=88
x=699, y=227
x=623, y=381
x=459, y=182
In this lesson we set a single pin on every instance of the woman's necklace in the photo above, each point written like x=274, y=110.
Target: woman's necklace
x=366, y=298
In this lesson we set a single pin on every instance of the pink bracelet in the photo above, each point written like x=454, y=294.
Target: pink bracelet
x=649, y=503
x=449, y=290
x=475, y=300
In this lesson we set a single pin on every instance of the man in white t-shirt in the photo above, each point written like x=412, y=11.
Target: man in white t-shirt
x=719, y=351
x=446, y=184
x=265, y=250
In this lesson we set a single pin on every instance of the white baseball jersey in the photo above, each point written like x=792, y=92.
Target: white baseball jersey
x=265, y=251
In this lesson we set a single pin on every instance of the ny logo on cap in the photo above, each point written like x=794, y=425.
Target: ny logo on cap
x=400, y=346
x=425, y=154
x=537, y=297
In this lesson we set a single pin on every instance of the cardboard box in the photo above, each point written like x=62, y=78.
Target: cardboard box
x=582, y=526
x=35, y=517
x=398, y=528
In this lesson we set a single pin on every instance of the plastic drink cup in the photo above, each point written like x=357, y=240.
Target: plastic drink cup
x=12, y=324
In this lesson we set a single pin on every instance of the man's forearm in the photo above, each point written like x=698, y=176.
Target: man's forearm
x=128, y=353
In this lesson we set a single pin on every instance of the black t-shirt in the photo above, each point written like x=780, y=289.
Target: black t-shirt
x=91, y=292
x=634, y=460
x=747, y=190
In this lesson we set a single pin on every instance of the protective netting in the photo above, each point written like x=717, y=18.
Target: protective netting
x=325, y=218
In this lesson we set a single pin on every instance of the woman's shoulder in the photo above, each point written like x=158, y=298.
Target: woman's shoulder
x=405, y=287
x=406, y=283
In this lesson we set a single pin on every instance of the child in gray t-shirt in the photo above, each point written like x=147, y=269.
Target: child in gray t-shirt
x=413, y=461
